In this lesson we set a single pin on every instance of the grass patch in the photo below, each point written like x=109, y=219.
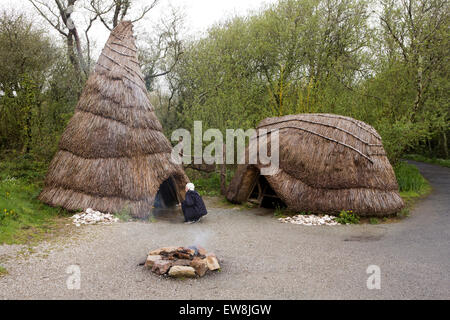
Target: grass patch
x=124, y=215
x=420, y=158
x=23, y=218
x=410, y=181
x=222, y=202
x=248, y=206
x=412, y=185
x=283, y=212
x=279, y=212
x=3, y=271
x=305, y=213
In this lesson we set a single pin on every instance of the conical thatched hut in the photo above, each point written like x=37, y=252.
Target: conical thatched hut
x=328, y=163
x=113, y=154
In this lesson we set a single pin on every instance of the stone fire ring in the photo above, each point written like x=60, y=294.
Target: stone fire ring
x=182, y=262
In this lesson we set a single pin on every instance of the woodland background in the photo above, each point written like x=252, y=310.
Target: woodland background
x=384, y=62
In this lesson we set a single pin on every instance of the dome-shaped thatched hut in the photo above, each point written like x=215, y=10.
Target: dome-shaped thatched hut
x=113, y=154
x=328, y=163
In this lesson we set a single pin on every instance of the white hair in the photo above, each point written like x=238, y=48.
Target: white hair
x=190, y=186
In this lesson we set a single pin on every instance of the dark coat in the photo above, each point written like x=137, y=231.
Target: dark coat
x=193, y=206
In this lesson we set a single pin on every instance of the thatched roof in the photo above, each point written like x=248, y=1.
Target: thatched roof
x=113, y=154
x=328, y=163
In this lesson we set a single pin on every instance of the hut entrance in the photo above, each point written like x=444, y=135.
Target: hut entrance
x=263, y=195
x=167, y=195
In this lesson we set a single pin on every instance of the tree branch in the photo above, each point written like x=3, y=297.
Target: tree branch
x=56, y=26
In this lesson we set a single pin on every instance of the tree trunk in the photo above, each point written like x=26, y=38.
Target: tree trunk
x=223, y=172
x=444, y=138
x=419, y=87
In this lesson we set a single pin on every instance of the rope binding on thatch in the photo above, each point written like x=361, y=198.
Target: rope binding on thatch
x=119, y=52
x=125, y=76
x=124, y=46
x=326, y=125
x=319, y=135
x=356, y=123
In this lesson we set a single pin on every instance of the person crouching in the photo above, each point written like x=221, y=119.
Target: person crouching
x=193, y=206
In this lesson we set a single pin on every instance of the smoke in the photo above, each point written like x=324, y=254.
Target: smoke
x=199, y=237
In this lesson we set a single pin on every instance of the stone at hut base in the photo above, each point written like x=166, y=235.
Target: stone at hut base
x=151, y=259
x=161, y=266
x=200, y=266
x=182, y=271
x=212, y=263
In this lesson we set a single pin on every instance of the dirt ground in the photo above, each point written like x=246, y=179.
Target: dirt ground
x=260, y=257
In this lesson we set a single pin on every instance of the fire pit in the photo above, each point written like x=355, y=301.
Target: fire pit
x=182, y=262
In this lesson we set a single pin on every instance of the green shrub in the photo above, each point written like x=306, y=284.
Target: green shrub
x=347, y=217
x=23, y=167
x=374, y=221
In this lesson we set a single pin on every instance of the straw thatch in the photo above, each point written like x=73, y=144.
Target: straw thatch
x=113, y=154
x=328, y=163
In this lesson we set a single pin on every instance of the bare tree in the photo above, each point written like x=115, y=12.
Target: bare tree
x=58, y=14
x=110, y=12
x=162, y=50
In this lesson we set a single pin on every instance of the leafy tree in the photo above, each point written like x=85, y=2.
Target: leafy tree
x=384, y=62
x=412, y=77
x=25, y=58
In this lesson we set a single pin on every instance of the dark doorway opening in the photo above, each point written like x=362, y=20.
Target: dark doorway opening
x=263, y=195
x=167, y=196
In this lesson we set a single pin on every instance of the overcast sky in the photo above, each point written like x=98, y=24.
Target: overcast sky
x=199, y=14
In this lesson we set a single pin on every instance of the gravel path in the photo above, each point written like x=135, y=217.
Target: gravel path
x=261, y=258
